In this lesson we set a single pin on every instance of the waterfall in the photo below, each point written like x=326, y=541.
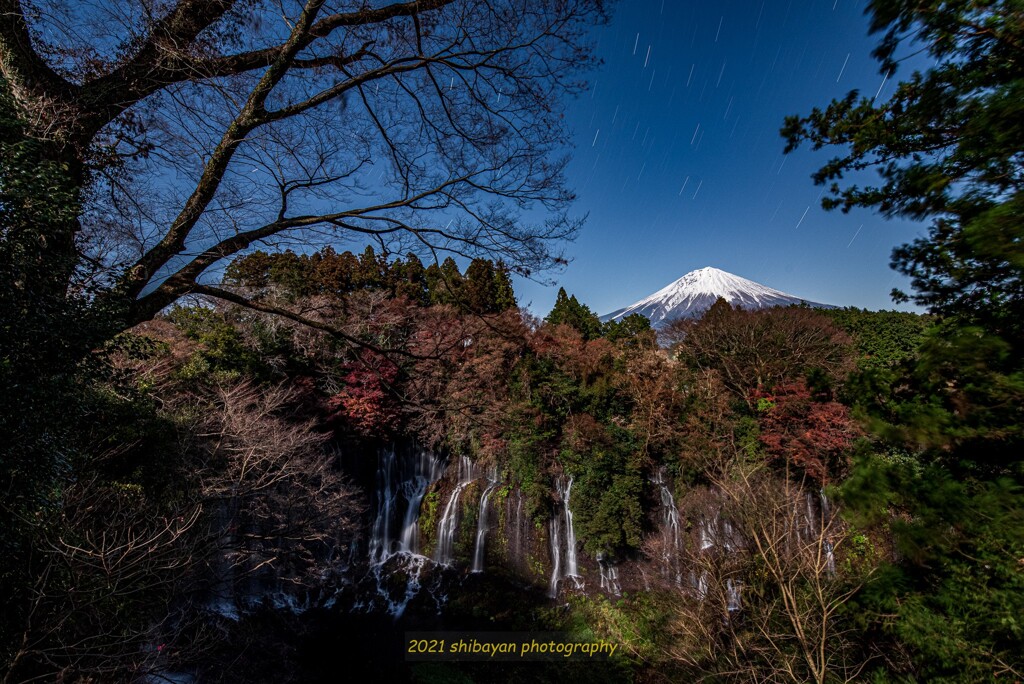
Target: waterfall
x=812, y=520
x=670, y=527
x=643, y=575
x=481, y=523
x=390, y=595
x=728, y=536
x=571, y=570
x=387, y=495
x=706, y=538
x=826, y=516
x=609, y=576
x=554, y=532
x=448, y=525
x=670, y=514
x=830, y=558
x=427, y=471
x=516, y=533
x=732, y=595
x=402, y=480
x=700, y=584
x=401, y=485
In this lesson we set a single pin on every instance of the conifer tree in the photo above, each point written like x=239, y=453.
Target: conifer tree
x=505, y=296
x=408, y=279
x=479, y=289
x=947, y=147
x=444, y=282
x=568, y=311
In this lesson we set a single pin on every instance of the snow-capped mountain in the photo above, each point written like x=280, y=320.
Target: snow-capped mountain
x=695, y=292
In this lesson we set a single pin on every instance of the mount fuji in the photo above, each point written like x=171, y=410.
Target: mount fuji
x=695, y=292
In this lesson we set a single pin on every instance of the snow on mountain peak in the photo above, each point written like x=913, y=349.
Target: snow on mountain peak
x=695, y=292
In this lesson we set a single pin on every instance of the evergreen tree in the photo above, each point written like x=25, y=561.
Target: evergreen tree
x=336, y=273
x=560, y=311
x=947, y=146
x=505, y=296
x=408, y=279
x=292, y=273
x=883, y=338
x=568, y=311
x=444, y=282
x=372, y=272
x=634, y=330
x=487, y=288
x=252, y=270
x=479, y=289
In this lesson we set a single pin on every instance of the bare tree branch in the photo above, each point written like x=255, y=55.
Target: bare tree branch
x=163, y=59
x=201, y=128
x=233, y=298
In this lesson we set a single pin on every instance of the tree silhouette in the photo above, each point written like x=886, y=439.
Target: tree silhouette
x=187, y=132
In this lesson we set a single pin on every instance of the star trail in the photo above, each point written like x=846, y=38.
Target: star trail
x=679, y=164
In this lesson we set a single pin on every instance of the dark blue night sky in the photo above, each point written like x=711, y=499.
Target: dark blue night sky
x=679, y=162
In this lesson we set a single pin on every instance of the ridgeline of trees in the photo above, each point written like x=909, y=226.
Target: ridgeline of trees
x=484, y=288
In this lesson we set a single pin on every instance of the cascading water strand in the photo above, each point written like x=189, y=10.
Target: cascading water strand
x=481, y=524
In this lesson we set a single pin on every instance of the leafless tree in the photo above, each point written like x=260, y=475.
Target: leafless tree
x=123, y=579
x=652, y=383
x=767, y=592
x=755, y=349
x=279, y=504
x=200, y=128
x=110, y=550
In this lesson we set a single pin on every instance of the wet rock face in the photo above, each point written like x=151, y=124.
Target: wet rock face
x=437, y=527
x=446, y=519
x=404, y=581
x=402, y=480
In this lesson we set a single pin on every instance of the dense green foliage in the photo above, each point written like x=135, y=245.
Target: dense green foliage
x=635, y=328
x=882, y=338
x=568, y=311
x=484, y=288
x=947, y=146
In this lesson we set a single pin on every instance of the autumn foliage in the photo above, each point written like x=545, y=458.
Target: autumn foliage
x=366, y=401
x=808, y=432
x=755, y=350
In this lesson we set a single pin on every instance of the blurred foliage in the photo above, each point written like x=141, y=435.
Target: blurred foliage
x=947, y=146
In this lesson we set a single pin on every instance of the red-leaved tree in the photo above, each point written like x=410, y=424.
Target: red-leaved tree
x=366, y=401
x=810, y=434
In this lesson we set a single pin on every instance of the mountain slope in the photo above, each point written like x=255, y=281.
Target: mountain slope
x=695, y=292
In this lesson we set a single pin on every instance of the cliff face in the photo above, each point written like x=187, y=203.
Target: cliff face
x=440, y=530
x=436, y=527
